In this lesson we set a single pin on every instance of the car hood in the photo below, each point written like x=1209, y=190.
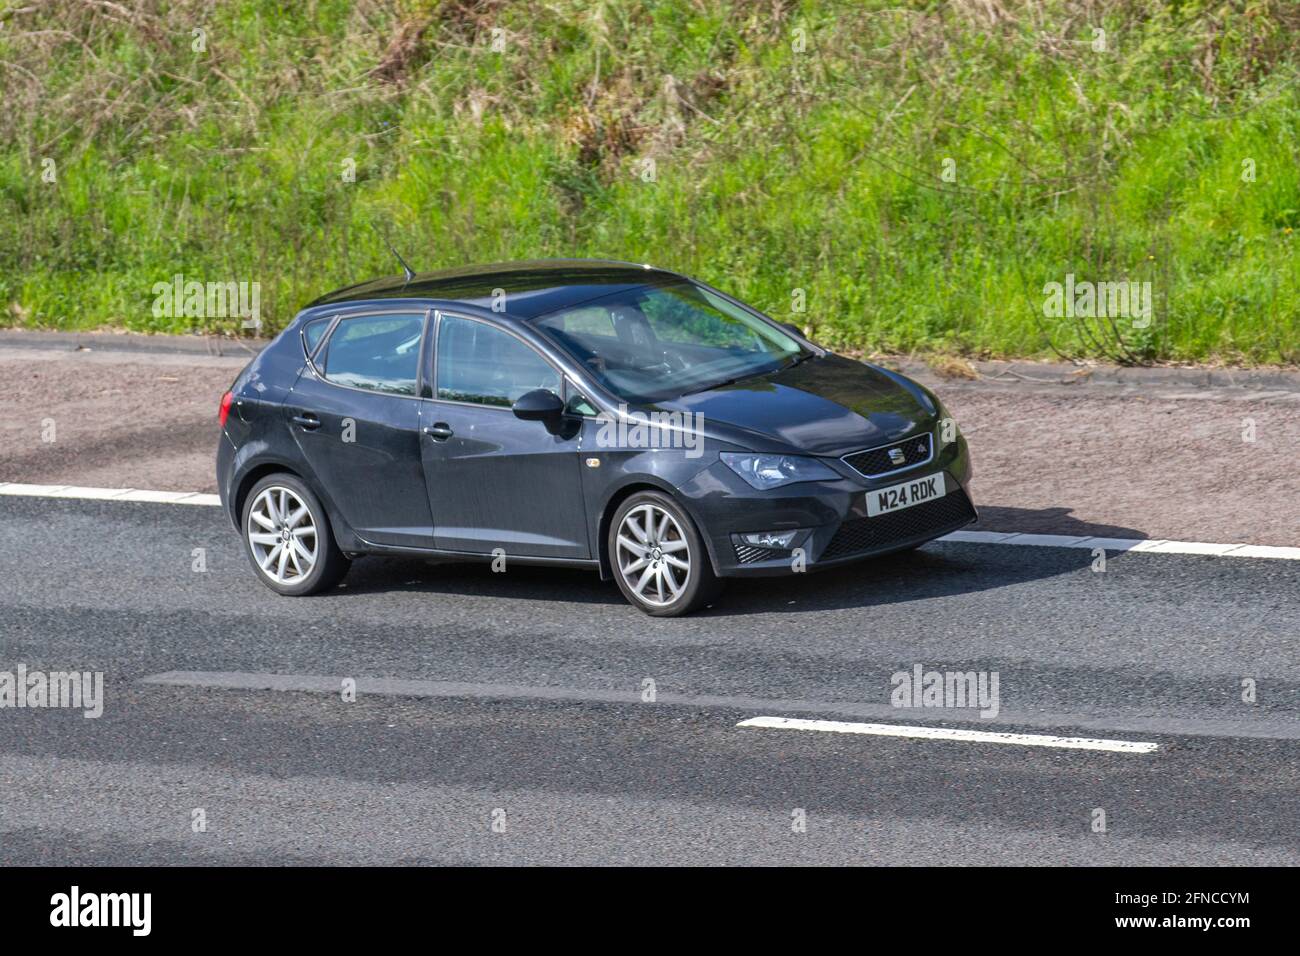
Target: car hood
x=826, y=405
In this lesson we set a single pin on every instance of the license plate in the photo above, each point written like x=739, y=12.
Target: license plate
x=897, y=497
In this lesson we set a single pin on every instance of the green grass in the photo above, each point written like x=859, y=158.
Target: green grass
x=778, y=174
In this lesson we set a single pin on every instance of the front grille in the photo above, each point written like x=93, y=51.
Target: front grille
x=748, y=554
x=877, y=461
x=869, y=534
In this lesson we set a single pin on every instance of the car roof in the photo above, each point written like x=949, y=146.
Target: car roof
x=532, y=288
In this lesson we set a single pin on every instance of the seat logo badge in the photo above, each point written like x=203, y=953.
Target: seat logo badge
x=896, y=456
x=593, y=462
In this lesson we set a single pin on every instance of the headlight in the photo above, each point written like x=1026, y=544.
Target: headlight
x=772, y=471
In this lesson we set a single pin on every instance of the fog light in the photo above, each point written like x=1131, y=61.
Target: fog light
x=772, y=540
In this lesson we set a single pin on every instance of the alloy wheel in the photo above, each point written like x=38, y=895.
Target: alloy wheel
x=653, y=555
x=282, y=535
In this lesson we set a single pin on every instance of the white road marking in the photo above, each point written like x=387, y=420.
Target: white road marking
x=171, y=497
x=1148, y=545
x=109, y=494
x=1151, y=545
x=1262, y=551
x=946, y=733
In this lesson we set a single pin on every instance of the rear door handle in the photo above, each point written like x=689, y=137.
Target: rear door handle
x=439, y=431
x=307, y=420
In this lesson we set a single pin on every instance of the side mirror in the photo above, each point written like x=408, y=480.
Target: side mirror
x=539, y=405
x=791, y=327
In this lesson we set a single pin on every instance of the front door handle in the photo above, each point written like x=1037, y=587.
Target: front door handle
x=307, y=420
x=439, y=431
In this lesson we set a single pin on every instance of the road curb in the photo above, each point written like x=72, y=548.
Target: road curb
x=1065, y=374
x=130, y=342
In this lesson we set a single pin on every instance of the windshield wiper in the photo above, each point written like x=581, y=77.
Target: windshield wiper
x=743, y=378
x=802, y=356
x=713, y=385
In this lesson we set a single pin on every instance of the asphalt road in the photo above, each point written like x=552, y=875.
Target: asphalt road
x=500, y=717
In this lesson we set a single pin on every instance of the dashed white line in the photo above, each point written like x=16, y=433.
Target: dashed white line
x=1250, y=728
x=1147, y=545
x=946, y=733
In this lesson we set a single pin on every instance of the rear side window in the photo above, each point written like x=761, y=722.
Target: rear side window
x=312, y=332
x=376, y=352
x=481, y=364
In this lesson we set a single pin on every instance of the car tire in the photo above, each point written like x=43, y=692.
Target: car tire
x=658, y=557
x=288, y=538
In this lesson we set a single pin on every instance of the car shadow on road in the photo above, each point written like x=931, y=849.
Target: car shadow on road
x=372, y=575
x=938, y=569
x=1047, y=521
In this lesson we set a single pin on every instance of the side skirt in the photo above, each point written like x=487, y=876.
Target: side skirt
x=389, y=550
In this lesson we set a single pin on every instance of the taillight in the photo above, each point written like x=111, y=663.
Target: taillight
x=225, y=408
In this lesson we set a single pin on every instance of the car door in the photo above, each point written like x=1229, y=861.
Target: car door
x=496, y=481
x=355, y=414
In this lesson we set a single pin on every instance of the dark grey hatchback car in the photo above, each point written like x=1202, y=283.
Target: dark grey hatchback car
x=580, y=413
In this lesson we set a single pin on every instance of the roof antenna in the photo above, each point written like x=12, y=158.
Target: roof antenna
x=410, y=273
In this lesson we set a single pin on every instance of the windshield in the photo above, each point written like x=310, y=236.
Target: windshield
x=655, y=342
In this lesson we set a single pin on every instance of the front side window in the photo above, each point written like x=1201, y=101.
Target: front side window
x=660, y=341
x=483, y=365
x=578, y=404
x=380, y=353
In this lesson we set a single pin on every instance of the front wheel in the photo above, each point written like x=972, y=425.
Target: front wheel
x=288, y=538
x=658, y=558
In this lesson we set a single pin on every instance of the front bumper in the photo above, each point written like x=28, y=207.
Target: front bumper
x=835, y=511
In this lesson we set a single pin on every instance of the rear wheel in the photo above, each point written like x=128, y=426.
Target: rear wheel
x=288, y=538
x=658, y=557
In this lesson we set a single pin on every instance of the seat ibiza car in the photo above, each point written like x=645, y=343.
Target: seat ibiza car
x=581, y=413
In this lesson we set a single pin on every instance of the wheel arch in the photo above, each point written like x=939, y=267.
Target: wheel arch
x=621, y=494
x=255, y=474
